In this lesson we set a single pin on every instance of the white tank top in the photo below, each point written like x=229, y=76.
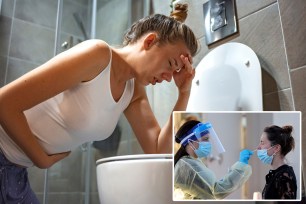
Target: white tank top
x=87, y=112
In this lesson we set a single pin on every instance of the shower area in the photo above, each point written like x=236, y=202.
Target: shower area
x=32, y=31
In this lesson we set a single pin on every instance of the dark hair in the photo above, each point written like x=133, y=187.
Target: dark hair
x=281, y=136
x=180, y=135
x=169, y=30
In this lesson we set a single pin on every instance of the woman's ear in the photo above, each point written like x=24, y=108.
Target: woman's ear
x=149, y=40
x=277, y=148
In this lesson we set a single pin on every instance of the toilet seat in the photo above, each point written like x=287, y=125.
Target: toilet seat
x=137, y=179
x=227, y=79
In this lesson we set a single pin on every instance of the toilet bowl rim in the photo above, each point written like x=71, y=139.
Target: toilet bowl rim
x=134, y=157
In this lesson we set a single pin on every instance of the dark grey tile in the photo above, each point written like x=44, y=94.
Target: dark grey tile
x=94, y=198
x=74, y=16
x=3, y=61
x=293, y=15
x=5, y=25
x=278, y=101
x=68, y=175
x=17, y=68
x=36, y=177
x=286, y=100
x=269, y=84
x=83, y=2
x=271, y=102
x=246, y=7
x=7, y=8
x=112, y=29
x=262, y=32
x=299, y=95
x=66, y=198
x=31, y=42
x=298, y=81
x=41, y=12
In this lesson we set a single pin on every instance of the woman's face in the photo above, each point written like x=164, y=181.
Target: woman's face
x=159, y=62
x=265, y=144
x=195, y=145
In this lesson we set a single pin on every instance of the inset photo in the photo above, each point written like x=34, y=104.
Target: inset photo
x=237, y=156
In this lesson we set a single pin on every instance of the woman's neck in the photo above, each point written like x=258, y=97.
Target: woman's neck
x=121, y=66
x=277, y=162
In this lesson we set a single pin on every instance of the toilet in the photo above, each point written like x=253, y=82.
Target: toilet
x=227, y=79
x=137, y=179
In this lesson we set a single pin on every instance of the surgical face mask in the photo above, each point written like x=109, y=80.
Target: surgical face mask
x=263, y=156
x=203, y=150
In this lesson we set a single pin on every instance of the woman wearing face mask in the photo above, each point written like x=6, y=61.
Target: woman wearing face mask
x=275, y=143
x=193, y=177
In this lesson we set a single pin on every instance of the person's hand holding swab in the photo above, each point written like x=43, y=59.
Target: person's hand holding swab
x=245, y=156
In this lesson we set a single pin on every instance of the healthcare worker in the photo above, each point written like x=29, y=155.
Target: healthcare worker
x=192, y=176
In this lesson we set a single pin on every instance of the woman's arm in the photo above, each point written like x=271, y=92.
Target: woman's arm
x=80, y=63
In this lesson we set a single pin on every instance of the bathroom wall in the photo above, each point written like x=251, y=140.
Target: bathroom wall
x=27, y=39
x=293, y=15
x=275, y=30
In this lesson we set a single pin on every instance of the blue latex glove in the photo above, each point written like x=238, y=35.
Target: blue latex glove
x=245, y=156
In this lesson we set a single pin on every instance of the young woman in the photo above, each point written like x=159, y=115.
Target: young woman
x=275, y=143
x=79, y=95
x=193, y=177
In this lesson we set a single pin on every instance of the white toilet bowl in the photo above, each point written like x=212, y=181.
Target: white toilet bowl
x=136, y=179
x=227, y=79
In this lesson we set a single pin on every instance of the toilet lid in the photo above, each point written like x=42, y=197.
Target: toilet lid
x=134, y=157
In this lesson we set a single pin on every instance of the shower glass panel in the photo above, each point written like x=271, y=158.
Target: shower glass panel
x=66, y=180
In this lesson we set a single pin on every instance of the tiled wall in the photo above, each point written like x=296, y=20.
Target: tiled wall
x=27, y=35
x=259, y=28
x=275, y=30
x=293, y=16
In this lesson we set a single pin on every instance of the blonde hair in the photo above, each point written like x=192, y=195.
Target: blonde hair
x=168, y=29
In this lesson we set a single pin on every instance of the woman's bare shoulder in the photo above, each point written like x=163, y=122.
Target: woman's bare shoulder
x=93, y=55
x=100, y=47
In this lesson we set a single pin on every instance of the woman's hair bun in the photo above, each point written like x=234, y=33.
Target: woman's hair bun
x=287, y=129
x=179, y=12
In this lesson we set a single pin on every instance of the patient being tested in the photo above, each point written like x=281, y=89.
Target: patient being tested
x=192, y=176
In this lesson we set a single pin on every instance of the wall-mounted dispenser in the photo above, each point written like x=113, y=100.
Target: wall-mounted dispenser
x=220, y=20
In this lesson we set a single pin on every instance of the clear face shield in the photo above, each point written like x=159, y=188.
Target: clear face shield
x=204, y=132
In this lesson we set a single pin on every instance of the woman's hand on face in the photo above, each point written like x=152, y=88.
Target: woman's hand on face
x=183, y=77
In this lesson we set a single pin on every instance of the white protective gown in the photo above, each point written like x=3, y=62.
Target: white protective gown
x=199, y=182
